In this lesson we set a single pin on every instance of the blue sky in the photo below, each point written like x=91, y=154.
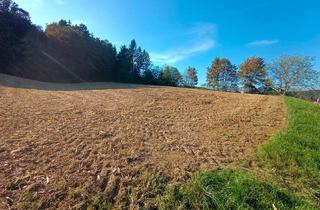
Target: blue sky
x=192, y=33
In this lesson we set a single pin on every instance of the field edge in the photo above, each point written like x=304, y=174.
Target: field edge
x=278, y=176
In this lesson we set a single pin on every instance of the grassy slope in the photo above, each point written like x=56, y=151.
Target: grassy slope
x=293, y=156
x=284, y=174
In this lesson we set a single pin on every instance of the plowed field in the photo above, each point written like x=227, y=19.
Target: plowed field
x=72, y=146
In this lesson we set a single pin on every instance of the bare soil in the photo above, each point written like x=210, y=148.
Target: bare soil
x=66, y=146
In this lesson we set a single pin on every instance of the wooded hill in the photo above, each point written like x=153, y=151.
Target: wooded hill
x=64, y=52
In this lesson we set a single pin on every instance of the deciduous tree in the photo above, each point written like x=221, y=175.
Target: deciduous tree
x=171, y=76
x=191, y=78
x=222, y=75
x=253, y=75
x=293, y=73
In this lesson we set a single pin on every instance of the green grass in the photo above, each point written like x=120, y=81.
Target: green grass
x=225, y=189
x=285, y=173
x=293, y=156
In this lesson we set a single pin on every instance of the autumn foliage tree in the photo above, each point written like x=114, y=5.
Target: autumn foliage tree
x=170, y=76
x=253, y=75
x=191, y=78
x=222, y=75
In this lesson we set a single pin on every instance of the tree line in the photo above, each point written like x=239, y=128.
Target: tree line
x=287, y=73
x=64, y=52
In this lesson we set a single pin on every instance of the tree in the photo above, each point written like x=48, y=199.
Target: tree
x=132, y=62
x=222, y=75
x=191, y=78
x=139, y=61
x=152, y=75
x=132, y=55
x=14, y=25
x=124, y=65
x=83, y=29
x=149, y=78
x=291, y=73
x=70, y=53
x=170, y=76
x=81, y=54
x=9, y=7
x=64, y=23
x=102, y=55
x=253, y=75
x=5, y=6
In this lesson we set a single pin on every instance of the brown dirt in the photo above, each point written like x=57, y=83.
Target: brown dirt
x=119, y=146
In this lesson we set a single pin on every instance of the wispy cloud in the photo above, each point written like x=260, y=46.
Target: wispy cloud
x=199, y=38
x=265, y=42
x=174, y=56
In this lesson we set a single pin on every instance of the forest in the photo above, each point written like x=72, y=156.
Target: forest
x=64, y=52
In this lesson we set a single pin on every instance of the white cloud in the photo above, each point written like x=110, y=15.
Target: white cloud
x=265, y=42
x=200, y=38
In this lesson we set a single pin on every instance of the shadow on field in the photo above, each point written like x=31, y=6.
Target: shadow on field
x=17, y=82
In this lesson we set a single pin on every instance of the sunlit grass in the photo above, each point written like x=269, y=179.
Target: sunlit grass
x=227, y=189
x=293, y=156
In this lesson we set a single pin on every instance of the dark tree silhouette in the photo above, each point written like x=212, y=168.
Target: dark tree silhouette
x=14, y=25
x=64, y=52
x=124, y=65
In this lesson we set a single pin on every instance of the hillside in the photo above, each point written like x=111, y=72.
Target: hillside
x=71, y=145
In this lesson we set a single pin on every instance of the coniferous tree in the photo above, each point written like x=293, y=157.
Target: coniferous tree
x=132, y=54
x=148, y=77
x=139, y=61
x=124, y=65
